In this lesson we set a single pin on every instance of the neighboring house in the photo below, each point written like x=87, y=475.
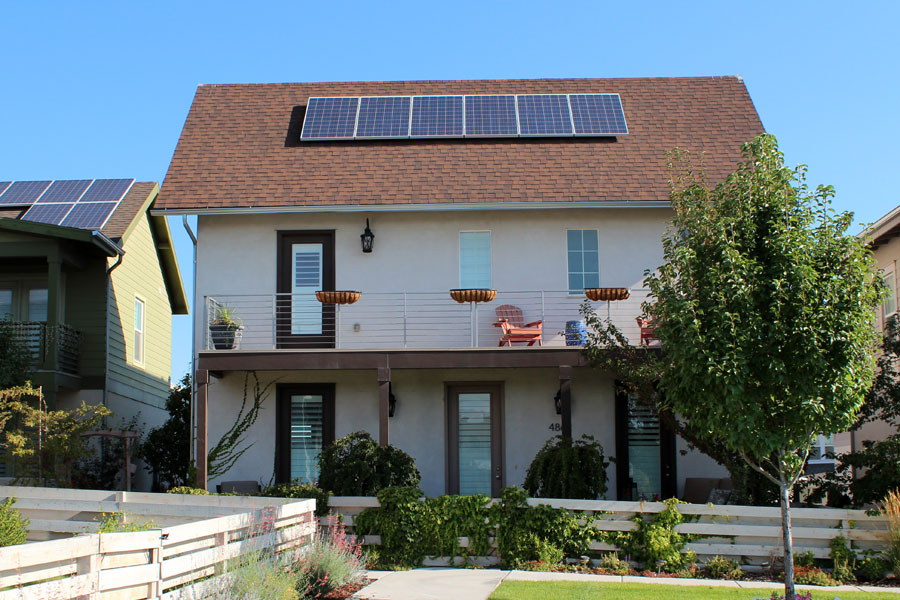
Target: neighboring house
x=465, y=184
x=884, y=240
x=89, y=279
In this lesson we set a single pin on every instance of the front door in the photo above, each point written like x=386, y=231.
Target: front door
x=305, y=265
x=645, y=451
x=305, y=425
x=475, y=436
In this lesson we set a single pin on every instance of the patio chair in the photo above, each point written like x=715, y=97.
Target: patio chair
x=514, y=329
x=647, y=330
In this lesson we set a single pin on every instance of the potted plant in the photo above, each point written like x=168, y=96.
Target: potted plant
x=225, y=328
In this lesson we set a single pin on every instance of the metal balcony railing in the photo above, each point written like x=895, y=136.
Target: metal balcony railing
x=42, y=341
x=398, y=320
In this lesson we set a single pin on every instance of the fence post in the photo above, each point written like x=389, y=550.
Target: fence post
x=90, y=565
x=221, y=541
x=155, y=588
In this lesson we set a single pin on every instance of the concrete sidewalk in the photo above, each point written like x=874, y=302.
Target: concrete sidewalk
x=440, y=583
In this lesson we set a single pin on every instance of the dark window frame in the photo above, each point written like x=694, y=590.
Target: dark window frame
x=284, y=276
x=667, y=452
x=283, y=393
x=452, y=389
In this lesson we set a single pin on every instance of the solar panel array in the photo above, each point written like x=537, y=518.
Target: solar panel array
x=502, y=115
x=81, y=203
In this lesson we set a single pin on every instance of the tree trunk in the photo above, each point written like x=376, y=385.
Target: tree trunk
x=788, y=542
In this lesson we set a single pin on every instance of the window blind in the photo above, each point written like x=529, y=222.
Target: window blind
x=475, y=259
x=475, y=444
x=306, y=436
x=644, y=450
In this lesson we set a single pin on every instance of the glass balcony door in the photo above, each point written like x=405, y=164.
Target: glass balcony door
x=476, y=441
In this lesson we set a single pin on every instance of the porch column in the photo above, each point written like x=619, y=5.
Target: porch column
x=384, y=391
x=202, y=383
x=54, y=294
x=565, y=397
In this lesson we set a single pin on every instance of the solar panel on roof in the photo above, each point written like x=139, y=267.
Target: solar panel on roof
x=434, y=116
x=491, y=116
x=91, y=215
x=599, y=114
x=381, y=117
x=330, y=118
x=23, y=192
x=4, y=185
x=544, y=114
x=64, y=191
x=47, y=213
x=106, y=190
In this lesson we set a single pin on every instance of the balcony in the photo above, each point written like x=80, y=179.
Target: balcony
x=413, y=320
x=51, y=348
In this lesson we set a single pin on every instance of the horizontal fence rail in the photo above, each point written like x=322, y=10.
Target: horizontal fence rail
x=749, y=534
x=401, y=320
x=191, y=540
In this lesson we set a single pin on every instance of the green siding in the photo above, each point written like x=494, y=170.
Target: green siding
x=140, y=275
x=85, y=298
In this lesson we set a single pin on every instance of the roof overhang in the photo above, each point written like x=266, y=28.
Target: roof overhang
x=95, y=238
x=435, y=207
x=883, y=230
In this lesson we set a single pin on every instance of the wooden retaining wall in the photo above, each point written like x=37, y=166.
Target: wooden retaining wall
x=192, y=538
x=748, y=534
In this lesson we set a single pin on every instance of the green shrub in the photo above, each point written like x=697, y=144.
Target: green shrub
x=813, y=576
x=259, y=576
x=720, y=567
x=805, y=559
x=871, y=568
x=184, y=489
x=513, y=519
x=117, y=522
x=530, y=552
x=843, y=560
x=331, y=560
x=13, y=528
x=655, y=540
x=356, y=465
x=398, y=522
x=295, y=489
x=564, y=468
x=611, y=563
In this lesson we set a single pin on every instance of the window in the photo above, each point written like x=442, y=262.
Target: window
x=305, y=425
x=584, y=259
x=821, y=448
x=475, y=259
x=37, y=304
x=890, y=299
x=6, y=304
x=139, y=331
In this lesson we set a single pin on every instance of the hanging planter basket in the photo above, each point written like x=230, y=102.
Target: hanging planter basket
x=338, y=296
x=607, y=294
x=473, y=295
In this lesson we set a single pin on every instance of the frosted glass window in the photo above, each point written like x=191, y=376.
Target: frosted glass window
x=644, y=466
x=6, y=305
x=306, y=311
x=138, y=331
x=306, y=436
x=890, y=298
x=475, y=443
x=583, y=249
x=475, y=259
x=37, y=305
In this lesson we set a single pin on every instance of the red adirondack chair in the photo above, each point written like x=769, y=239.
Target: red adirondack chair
x=514, y=329
x=647, y=330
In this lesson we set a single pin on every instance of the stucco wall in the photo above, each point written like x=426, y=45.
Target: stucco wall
x=419, y=425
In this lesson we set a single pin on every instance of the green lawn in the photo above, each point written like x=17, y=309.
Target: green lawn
x=577, y=590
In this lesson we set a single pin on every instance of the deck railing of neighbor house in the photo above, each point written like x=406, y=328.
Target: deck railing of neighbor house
x=186, y=553
x=402, y=320
x=750, y=535
x=42, y=340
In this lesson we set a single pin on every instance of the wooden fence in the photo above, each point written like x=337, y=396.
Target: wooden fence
x=192, y=538
x=748, y=534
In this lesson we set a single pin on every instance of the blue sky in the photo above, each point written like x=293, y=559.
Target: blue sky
x=101, y=89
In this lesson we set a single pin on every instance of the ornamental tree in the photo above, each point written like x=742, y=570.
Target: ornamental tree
x=764, y=307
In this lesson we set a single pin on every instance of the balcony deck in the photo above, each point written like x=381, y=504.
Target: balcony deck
x=423, y=324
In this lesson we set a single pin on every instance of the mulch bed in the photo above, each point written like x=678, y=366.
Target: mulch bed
x=347, y=590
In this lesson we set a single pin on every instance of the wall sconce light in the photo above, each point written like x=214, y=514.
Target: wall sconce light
x=392, y=401
x=557, y=402
x=368, y=238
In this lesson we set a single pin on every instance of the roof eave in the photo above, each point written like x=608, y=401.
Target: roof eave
x=86, y=236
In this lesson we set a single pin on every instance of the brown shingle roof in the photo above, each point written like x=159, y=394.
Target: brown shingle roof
x=236, y=149
x=128, y=209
